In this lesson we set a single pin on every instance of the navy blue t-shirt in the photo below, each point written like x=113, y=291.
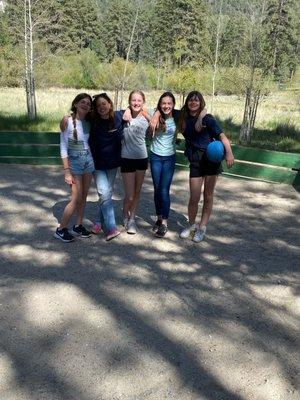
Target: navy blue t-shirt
x=200, y=140
x=105, y=142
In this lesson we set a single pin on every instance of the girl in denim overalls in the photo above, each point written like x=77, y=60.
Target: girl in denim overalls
x=78, y=167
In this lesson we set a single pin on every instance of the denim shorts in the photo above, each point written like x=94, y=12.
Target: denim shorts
x=81, y=162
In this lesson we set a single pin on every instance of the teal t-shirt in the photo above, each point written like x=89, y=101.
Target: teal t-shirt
x=163, y=143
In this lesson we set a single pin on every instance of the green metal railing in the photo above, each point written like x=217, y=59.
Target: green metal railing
x=42, y=148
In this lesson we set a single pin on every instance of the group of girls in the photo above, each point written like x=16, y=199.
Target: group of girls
x=96, y=140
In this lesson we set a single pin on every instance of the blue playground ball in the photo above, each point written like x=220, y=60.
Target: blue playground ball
x=215, y=151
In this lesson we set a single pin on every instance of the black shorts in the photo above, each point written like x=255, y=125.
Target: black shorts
x=201, y=166
x=132, y=164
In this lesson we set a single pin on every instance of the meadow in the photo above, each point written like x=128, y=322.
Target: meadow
x=277, y=125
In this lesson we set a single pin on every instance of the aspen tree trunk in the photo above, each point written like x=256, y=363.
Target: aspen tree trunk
x=215, y=67
x=253, y=89
x=275, y=37
x=245, y=133
x=116, y=98
x=158, y=71
x=128, y=54
x=29, y=61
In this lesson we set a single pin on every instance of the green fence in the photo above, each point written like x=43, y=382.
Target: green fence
x=42, y=148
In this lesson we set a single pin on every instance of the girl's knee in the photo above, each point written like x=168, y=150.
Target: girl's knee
x=208, y=198
x=194, y=200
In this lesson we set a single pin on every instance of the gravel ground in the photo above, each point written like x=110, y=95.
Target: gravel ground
x=144, y=318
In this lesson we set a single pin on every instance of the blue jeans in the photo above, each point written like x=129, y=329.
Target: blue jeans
x=162, y=170
x=105, y=180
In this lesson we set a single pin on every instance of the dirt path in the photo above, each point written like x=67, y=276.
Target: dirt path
x=143, y=318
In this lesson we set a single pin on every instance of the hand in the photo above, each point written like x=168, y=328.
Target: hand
x=149, y=132
x=64, y=123
x=229, y=160
x=154, y=123
x=198, y=124
x=127, y=116
x=69, y=178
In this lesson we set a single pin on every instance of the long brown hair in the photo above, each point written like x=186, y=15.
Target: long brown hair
x=78, y=98
x=162, y=118
x=184, y=112
x=111, y=114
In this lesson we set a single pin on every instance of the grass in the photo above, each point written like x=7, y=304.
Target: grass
x=277, y=125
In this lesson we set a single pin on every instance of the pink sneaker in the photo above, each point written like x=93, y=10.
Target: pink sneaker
x=112, y=234
x=96, y=228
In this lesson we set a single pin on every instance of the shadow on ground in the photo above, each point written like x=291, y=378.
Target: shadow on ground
x=143, y=318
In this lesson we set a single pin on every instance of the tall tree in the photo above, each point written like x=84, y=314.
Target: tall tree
x=180, y=30
x=129, y=50
x=29, y=60
x=216, y=53
x=254, y=37
x=282, y=37
x=115, y=20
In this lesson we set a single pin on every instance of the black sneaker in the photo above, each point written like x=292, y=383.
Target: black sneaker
x=156, y=226
x=161, y=231
x=64, y=235
x=79, y=230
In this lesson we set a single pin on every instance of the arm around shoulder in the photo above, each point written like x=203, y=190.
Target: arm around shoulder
x=64, y=123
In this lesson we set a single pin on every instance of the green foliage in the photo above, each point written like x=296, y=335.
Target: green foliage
x=182, y=80
x=180, y=30
x=282, y=33
x=10, y=72
x=82, y=42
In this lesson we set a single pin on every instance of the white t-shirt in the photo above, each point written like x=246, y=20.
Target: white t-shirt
x=67, y=141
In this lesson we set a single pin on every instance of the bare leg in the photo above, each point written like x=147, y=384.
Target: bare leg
x=208, y=197
x=129, y=187
x=195, y=193
x=139, y=179
x=72, y=206
x=85, y=185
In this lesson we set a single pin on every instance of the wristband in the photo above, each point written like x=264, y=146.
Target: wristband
x=66, y=168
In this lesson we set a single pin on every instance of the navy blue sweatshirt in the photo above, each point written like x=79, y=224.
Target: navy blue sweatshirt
x=200, y=140
x=105, y=142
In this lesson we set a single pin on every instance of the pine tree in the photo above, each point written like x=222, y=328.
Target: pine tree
x=282, y=42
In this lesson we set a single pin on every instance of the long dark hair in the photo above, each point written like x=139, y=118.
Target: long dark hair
x=184, y=112
x=162, y=118
x=78, y=98
x=111, y=115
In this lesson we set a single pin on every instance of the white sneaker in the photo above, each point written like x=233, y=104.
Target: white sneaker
x=187, y=231
x=131, y=227
x=199, y=234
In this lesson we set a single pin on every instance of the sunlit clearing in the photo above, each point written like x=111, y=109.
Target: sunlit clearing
x=47, y=304
x=25, y=253
x=7, y=374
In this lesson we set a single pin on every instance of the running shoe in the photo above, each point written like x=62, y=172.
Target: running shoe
x=64, y=235
x=199, y=234
x=96, y=228
x=131, y=227
x=112, y=234
x=161, y=231
x=190, y=230
x=79, y=230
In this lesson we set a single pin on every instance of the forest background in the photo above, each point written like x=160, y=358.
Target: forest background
x=242, y=54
